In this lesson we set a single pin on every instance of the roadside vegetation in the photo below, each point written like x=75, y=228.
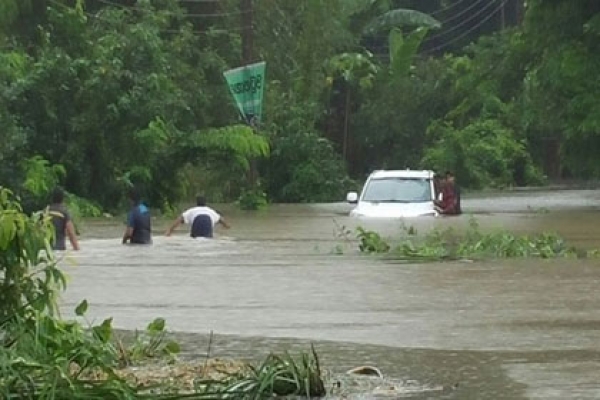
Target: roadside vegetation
x=43, y=356
x=471, y=244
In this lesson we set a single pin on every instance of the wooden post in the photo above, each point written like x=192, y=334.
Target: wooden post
x=247, y=20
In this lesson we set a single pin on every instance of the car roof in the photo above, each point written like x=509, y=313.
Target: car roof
x=406, y=173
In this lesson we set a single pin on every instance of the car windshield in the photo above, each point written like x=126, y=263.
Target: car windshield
x=398, y=190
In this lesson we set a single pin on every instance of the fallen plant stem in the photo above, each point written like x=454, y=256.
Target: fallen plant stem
x=210, y=338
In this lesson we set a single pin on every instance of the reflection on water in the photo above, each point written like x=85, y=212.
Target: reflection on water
x=501, y=329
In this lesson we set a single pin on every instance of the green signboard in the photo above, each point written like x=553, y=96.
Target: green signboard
x=247, y=86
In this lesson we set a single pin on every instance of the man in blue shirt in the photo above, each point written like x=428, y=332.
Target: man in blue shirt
x=139, y=226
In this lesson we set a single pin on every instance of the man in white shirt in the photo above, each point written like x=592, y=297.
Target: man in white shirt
x=201, y=218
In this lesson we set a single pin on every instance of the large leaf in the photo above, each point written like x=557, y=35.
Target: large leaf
x=401, y=18
x=402, y=51
x=362, y=12
x=353, y=68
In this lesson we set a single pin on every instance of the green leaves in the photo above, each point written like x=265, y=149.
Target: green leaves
x=484, y=154
x=401, y=18
x=41, y=177
x=81, y=308
x=238, y=142
x=354, y=68
x=104, y=331
x=151, y=343
x=447, y=244
x=403, y=51
x=29, y=277
x=371, y=242
x=277, y=376
x=156, y=326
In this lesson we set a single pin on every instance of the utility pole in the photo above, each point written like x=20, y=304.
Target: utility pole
x=247, y=12
x=520, y=10
x=247, y=20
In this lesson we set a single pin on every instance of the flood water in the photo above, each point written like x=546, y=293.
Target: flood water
x=283, y=278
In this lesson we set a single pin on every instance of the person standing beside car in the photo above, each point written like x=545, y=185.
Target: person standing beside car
x=450, y=202
x=450, y=178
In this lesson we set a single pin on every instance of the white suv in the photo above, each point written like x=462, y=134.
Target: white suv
x=395, y=194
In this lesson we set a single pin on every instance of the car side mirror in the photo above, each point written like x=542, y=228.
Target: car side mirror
x=352, y=197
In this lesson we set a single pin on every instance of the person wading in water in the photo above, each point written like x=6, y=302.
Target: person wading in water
x=201, y=218
x=139, y=224
x=62, y=222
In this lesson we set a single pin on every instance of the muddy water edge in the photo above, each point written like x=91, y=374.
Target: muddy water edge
x=283, y=278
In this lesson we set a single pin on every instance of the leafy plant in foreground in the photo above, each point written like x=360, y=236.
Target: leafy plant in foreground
x=150, y=343
x=371, y=242
x=276, y=376
x=28, y=274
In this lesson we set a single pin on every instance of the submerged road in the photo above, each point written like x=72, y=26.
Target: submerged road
x=522, y=329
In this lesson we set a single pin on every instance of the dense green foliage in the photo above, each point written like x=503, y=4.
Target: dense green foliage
x=28, y=274
x=99, y=95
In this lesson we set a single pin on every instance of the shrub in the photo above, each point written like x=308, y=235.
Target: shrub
x=483, y=154
x=29, y=277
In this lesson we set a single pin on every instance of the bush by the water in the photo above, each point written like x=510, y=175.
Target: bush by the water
x=449, y=244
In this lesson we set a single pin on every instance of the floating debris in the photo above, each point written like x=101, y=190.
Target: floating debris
x=366, y=370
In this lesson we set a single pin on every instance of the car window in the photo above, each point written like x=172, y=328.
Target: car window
x=402, y=190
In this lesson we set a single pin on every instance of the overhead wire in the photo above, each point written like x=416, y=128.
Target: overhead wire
x=436, y=12
x=462, y=12
x=465, y=21
x=473, y=17
x=469, y=31
x=443, y=32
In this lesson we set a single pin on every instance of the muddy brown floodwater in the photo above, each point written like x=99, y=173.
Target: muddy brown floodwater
x=501, y=329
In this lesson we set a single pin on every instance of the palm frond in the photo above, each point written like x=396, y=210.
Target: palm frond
x=401, y=18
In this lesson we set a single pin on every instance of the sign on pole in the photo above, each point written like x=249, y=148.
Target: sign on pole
x=247, y=86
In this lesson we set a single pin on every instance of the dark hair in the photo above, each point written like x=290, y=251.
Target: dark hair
x=57, y=196
x=449, y=173
x=200, y=201
x=134, y=196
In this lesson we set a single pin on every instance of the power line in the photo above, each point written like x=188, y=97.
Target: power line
x=466, y=10
x=452, y=17
x=466, y=21
x=436, y=12
x=467, y=32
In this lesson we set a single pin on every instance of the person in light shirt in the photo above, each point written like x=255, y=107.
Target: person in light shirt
x=201, y=218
